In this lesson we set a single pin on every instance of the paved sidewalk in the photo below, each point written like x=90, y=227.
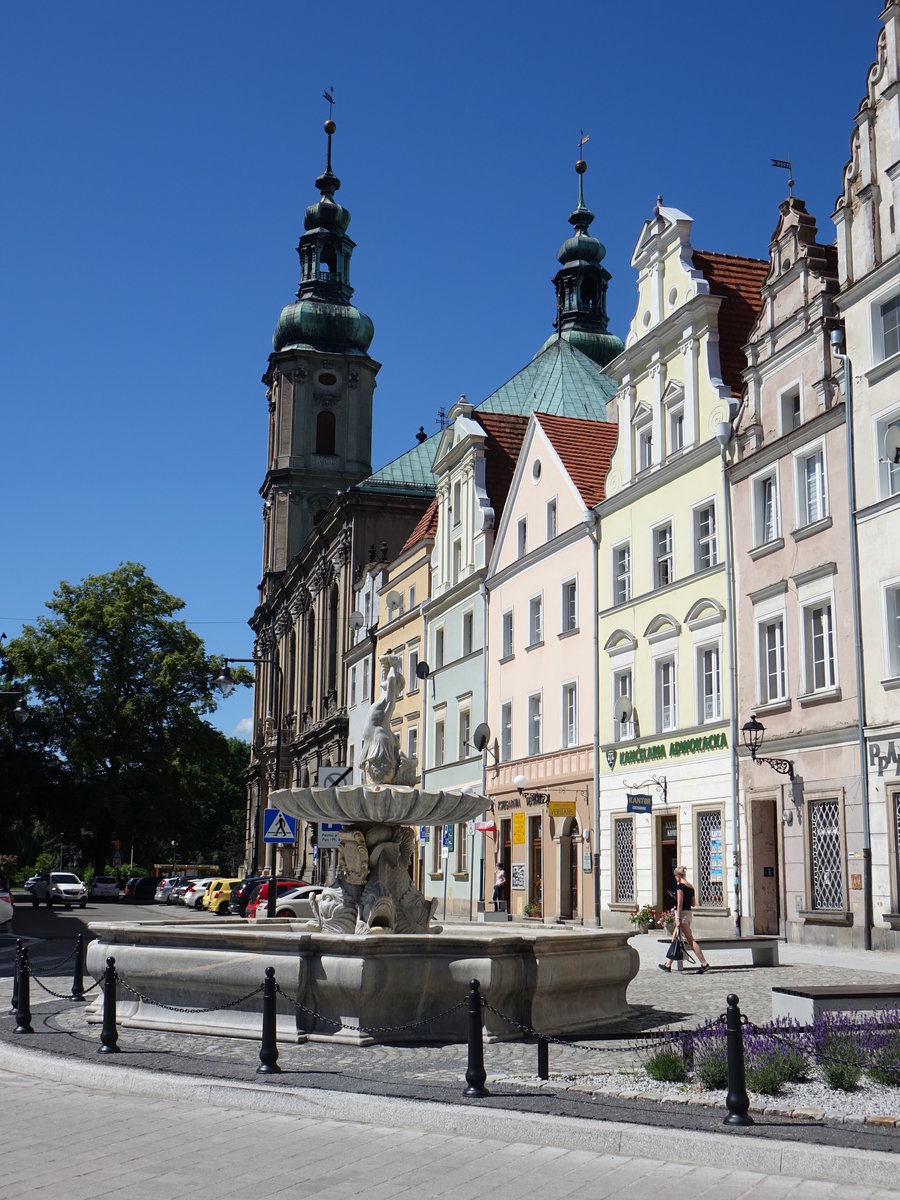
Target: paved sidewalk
x=421, y=1087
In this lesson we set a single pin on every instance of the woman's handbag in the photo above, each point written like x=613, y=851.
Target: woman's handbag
x=675, y=951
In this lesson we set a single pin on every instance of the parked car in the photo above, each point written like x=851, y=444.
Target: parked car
x=60, y=887
x=256, y=909
x=7, y=907
x=29, y=883
x=240, y=895
x=176, y=896
x=193, y=897
x=104, y=887
x=141, y=889
x=296, y=902
x=218, y=896
x=165, y=887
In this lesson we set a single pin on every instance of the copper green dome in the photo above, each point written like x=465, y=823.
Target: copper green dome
x=323, y=317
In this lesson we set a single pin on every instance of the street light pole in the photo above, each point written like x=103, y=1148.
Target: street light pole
x=590, y=524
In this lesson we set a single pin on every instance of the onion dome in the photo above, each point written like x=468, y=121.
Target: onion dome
x=323, y=317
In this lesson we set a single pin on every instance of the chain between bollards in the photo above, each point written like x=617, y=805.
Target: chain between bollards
x=108, y=1033
x=475, y=1072
x=736, y=1100
x=23, y=991
x=268, y=1051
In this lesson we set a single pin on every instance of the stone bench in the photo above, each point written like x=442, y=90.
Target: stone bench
x=805, y=1004
x=763, y=948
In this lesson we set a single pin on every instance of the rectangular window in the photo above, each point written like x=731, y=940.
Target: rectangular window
x=468, y=633
x=710, y=680
x=412, y=743
x=507, y=634
x=623, y=846
x=790, y=410
x=892, y=629
x=710, y=858
x=411, y=603
x=465, y=733
x=551, y=520
x=568, y=606
x=439, y=743
x=622, y=573
x=765, y=509
x=887, y=443
x=462, y=850
x=570, y=714
x=506, y=732
x=522, y=537
x=811, y=487
x=366, y=694
x=818, y=630
x=535, y=621
x=352, y=686
x=663, y=556
x=676, y=430
x=665, y=694
x=826, y=859
x=438, y=648
x=890, y=326
x=622, y=730
x=457, y=502
x=772, y=671
x=705, y=545
x=645, y=449
x=534, y=723
x=457, y=561
x=412, y=679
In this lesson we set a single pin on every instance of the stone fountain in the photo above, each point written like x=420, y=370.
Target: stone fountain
x=372, y=965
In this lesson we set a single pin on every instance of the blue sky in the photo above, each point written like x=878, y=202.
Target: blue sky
x=158, y=161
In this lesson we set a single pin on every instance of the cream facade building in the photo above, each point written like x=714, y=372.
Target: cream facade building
x=668, y=779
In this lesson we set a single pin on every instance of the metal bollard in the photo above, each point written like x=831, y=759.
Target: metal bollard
x=543, y=1058
x=475, y=1072
x=108, y=1033
x=268, y=1051
x=78, y=977
x=14, y=1002
x=736, y=1101
x=23, y=993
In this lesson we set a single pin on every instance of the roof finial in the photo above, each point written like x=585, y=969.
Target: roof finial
x=785, y=164
x=330, y=126
x=581, y=166
x=658, y=205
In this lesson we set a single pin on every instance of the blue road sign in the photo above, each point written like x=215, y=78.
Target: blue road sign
x=279, y=827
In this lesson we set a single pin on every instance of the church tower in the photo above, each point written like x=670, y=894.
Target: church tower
x=320, y=382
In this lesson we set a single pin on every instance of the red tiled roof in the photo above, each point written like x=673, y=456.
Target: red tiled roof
x=585, y=448
x=505, y=434
x=425, y=530
x=738, y=281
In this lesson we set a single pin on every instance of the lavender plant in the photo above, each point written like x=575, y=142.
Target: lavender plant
x=837, y=1039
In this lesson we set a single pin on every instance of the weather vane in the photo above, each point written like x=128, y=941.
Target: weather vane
x=329, y=96
x=585, y=137
x=785, y=165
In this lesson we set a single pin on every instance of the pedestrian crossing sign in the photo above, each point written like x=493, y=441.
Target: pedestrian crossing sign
x=278, y=827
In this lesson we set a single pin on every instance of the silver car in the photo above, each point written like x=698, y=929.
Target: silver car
x=61, y=887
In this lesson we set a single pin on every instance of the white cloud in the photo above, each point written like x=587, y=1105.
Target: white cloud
x=243, y=729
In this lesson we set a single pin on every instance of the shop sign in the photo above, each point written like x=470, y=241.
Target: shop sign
x=883, y=761
x=587, y=862
x=506, y=805
x=517, y=877
x=639, y=802
x=679, y=749
x=518, y=832
x=561, y=808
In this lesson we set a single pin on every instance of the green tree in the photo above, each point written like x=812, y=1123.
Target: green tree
x=121, y=688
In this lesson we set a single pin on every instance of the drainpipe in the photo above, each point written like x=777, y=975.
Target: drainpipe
x=590, y=524
x=724, y=434
x=837, y=343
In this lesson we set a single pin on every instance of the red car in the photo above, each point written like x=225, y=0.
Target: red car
x=260, y=897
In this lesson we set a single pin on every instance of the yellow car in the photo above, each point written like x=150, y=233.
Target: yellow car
x=218, y=895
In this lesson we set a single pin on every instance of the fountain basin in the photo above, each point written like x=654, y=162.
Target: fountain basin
x=361, y=990
x=371, y=804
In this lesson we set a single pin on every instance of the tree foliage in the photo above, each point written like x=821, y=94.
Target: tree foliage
x=117, y=746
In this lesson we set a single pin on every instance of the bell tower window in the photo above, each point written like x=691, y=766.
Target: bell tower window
x=325, y=429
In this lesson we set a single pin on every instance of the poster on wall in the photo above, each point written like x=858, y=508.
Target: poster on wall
x=715, y=856
x=518, y=829
x=518, y=877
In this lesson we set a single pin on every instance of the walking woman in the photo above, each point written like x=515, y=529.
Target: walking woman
x=684, y=903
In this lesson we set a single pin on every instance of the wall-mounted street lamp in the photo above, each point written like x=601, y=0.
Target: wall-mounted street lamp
x=753, y=733
x=225, y=684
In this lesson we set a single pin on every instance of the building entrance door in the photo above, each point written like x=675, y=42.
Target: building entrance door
x=766, y=899
x=667, y=834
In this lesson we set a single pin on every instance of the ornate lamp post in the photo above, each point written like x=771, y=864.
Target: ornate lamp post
x=753, y=733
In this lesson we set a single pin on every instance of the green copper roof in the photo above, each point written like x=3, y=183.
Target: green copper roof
x=412, y=469
x=558, y=380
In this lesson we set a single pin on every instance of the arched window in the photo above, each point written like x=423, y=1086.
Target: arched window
x=309, y=659
x=331, y=664
x=325, y=426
